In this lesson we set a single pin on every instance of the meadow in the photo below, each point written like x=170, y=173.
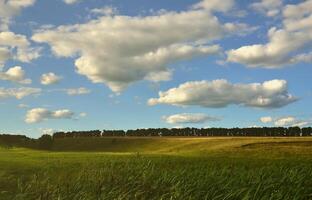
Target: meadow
x=160, y=168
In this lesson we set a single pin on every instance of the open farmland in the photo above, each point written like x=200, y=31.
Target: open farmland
x=160, y=168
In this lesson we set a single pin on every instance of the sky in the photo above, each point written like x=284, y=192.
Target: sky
x=114, y=64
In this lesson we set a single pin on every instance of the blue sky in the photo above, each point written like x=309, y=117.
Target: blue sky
x=100, y=64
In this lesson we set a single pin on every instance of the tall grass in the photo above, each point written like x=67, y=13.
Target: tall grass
x=170, y=178
x=240, y=173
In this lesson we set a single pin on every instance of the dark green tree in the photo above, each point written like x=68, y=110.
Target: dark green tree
x=45, y=142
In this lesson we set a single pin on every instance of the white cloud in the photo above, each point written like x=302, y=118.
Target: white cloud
x=108, y=10
x=71, y=1
x=22, y=105
x=50, y=78
x=189, y=118
x=301, y=123
x=11, y=8
x=215, y=5
x=17, y=47
x=4, y=55
x=83, y=114
x=288, y=121
x=298, y=10
x=159, y=76
x=120, y=50
x=270, y=8
x=77, y=91
x=266, y=119
x=37, y=115
x=285, y=121
x=285, y=44
x=18, y=93
x=62, y=114
x=305, y=57
x=15, y=74
x=221, y=93
x=275, y=54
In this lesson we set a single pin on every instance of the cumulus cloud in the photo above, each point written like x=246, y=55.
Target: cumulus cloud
x=4, y=55
x=37, y=115
x=11, y=8
x=221, y=93
x=18, y=93
x=298, y=10
x=189, y=118
x=285, y=121
x=120, y=50
x=304, y=57
x=16, y=47
x=266, y=119
x=50, y=78
x=284, y=44
x=215, y=5
x=15, y=74
x=289, y=121
x=270, y=8
x=77, y=91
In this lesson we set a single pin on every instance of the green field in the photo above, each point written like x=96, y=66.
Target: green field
x=160, y=168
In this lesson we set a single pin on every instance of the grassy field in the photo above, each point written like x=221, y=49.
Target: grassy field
x=160, y=168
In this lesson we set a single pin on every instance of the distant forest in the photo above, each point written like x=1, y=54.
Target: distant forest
x=46, y=141
x=193, y=132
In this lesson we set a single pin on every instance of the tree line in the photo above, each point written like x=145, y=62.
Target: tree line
x=46, y=141
x=195, y=132
x=9, y=141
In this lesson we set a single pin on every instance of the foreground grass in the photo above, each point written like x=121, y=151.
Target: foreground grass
x=252, y=168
